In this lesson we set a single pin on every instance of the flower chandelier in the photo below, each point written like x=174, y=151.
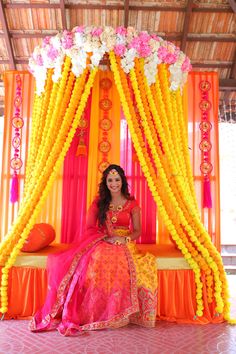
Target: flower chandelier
x=84, y=43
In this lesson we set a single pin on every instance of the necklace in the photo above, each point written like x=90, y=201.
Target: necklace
x=115, y=211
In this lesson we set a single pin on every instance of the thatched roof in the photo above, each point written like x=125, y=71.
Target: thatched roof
x=203, y=29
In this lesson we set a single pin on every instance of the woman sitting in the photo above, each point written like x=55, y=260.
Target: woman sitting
x=104, y=282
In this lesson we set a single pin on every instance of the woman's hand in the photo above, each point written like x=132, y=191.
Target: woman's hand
x=119, y=240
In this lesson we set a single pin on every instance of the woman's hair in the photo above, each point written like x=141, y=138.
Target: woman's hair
x=105, y=195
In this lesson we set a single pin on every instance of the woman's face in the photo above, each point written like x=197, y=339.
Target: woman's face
x=114, y=182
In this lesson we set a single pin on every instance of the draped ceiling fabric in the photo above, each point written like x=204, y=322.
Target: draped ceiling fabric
x=151, y=99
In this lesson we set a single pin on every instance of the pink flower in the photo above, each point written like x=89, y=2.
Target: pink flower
x=135, y=43
x=67, y=40
x=46, y=41
x=144, y=50
x=79, y=29
x=144, y=37
x=38, y=59
x=121, y=30
x=162, y=53
x=171, y=58
x=119, y=49
x=186, y=66
x=155, y=37
x=52, y=53
x=97, y=31
x=140, y=43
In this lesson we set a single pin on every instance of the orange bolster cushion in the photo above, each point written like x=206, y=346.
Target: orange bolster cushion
x=40, y=236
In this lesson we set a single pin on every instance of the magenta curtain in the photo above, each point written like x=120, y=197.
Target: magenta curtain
x=138, y=185
x=75, y=188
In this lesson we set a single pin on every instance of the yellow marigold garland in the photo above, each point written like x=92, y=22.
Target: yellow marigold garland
x=140, y=152
x=40, y=173
x=190, y=229
x=44, y=192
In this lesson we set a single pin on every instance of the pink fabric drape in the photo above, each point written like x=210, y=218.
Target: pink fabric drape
x=138, y=186
x=75, y=188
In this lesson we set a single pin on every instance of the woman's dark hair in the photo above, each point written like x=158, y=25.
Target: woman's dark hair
x=105, y=195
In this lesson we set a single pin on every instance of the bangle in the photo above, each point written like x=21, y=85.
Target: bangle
x=117, y=242
x=127, y=239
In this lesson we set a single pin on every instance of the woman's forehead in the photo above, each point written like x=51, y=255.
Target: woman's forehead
x=112, y=176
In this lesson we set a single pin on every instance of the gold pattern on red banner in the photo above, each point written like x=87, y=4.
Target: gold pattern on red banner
x=105, y=124
x=205, y=144
x=17, y=125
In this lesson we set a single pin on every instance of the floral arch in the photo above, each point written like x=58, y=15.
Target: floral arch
x=154, y=72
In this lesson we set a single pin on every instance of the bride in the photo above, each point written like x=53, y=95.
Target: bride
x=104, y=282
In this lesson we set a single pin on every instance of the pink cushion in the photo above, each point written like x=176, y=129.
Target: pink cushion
x=40, y=236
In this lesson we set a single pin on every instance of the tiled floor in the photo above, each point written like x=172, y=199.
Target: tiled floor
x=166, y=338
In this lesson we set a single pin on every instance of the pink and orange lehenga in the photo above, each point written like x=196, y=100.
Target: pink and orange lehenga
x=100, y=285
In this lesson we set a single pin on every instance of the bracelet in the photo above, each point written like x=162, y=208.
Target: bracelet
x=117, y=242
x=127, y=239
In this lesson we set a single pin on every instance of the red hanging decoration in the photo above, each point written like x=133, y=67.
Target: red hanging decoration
x=82, y=129
x=17, y=124
x=205, y=143
x=105, y=123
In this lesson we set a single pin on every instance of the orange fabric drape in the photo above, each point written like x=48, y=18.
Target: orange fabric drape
x=210, y=216
x=96, y=133
x=176, y=299
x=27, y=291
x=51, y=212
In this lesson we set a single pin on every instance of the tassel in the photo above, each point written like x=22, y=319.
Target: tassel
x=207, y=202
x=14, y=188
x=82, y=148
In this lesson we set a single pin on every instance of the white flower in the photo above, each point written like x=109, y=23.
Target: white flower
x=79, y=39
x=127, y=63
x=58, y=68
x=96, y=57
x=78, y=61
x=55, y=41
x=40, y=77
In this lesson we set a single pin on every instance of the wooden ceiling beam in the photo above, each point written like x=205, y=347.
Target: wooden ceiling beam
x=63, y=14
x=6, y=36
x=211, y=38
x=186, y=25
x=211, y=9
x=211, y=65
x=232, y=4
x=171, y=37
x=30, y=35
x=67, y=6
x=233, y=69
x=126, y=13
x=227, y=85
